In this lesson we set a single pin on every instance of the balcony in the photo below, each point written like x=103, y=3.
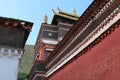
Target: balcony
x=38, y=70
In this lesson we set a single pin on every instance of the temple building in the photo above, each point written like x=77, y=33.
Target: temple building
x=13, y=36
x=50, y=35
x=89, y=50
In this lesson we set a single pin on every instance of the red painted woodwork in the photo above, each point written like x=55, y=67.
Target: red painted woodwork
x=42, y=53
x=102, y=62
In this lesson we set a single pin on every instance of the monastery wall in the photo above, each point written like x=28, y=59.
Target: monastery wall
x=8, y=66
x=102, y=62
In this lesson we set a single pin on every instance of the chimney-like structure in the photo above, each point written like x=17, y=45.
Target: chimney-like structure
x=13, y=36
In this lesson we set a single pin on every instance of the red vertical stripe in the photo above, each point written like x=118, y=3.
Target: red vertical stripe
x=42, y=53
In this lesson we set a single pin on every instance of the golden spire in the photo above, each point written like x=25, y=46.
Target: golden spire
x=53, y=11
x=75, y=14
x=45, y=19
x=58, y=9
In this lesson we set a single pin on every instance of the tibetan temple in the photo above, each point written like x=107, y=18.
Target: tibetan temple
x=13, y=36
x=80, y=48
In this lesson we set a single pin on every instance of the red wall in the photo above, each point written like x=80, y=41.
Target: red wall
x=42, y=53
x=102, y=62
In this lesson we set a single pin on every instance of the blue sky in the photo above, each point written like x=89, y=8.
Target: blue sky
x=35, y=10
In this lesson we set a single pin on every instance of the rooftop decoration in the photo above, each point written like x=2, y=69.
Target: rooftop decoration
x=45, y=18
x=73, y=16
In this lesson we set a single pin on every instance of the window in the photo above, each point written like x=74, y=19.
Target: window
x=37, y=57
x=5, y=50
x=12, y=51
x=19, y=51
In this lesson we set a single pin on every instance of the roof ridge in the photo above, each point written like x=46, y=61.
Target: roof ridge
x=69, y=14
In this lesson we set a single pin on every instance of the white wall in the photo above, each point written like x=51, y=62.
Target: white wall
x=8, y=68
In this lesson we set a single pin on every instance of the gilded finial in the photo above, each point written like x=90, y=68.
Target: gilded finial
x=75, y=12
x=53, y=11
x=58, y=9
x=45, y=19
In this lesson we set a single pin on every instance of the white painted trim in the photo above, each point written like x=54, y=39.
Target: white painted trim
x=54, y=42
x=38, y=75
x=52, y=31
x=49, y=49
x=74, y=52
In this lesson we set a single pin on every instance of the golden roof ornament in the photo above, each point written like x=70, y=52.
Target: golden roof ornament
x=59, y=9
x=45, y=19
x=75, y=14
x=53, y=11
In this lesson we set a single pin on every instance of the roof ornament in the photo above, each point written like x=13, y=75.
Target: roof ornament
x=75, y=14
x=45, y=19
x=53, y=11
x=59, y=9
